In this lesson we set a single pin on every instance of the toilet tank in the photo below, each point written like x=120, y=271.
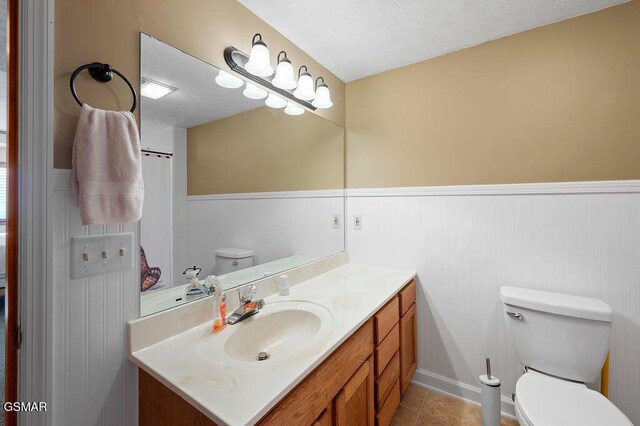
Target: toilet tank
x=558, y=334
x=232, y=259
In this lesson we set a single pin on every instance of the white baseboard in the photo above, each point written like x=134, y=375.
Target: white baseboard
x=457, y=389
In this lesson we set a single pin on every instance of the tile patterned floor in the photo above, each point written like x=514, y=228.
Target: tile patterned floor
x=422, y=407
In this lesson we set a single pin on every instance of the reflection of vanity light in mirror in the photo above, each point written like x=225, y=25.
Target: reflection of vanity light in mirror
x=275, y=101
x=259, y=60
x=254, y=92
x=224, y=79
x=293, y=109
x=323, y=98
x=305, y=85
x=284, y=73
x=155, y=90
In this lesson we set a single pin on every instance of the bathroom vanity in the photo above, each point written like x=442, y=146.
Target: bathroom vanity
x=342, y=351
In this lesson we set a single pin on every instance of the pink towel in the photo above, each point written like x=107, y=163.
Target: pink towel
x=106, y=175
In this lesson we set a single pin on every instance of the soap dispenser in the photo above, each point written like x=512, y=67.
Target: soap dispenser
x=219, y=305
x=194, y=289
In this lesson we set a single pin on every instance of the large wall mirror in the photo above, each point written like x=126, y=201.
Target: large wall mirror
x=233, y=188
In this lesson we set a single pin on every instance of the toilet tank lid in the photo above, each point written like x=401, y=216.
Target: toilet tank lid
x=234, y=253
x=557, y=303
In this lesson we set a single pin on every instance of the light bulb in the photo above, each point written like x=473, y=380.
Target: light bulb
x=254, y=92
x=323, y=98
x=259, y=59
x=284, y=74
x=293, y=109
x=274, y=101
x=305, y=86
x=229, y=81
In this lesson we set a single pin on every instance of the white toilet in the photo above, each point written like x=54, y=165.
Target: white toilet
x=232, y=259
x=562, y=341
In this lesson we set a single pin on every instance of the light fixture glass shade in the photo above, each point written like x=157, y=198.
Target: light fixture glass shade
x=323, y=98
x=275, y=101
x=284, y=76
x=293, y=109
x=305, y=88
x=259, y=60
x=254, y=92
x=224, y=79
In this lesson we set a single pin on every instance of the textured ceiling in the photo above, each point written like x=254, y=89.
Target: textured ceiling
x=358, y=38
x=198, y=99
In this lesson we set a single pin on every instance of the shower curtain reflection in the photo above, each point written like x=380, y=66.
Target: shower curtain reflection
x=156, y=243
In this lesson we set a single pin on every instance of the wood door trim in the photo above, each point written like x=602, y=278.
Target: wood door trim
x=11, y=298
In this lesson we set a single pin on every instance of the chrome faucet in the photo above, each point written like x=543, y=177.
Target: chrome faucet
x=247, y=306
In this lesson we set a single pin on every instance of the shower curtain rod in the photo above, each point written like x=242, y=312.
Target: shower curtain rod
x=159, y=153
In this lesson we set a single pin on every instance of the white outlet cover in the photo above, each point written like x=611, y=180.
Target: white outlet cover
x=357, y=222
x=337, y=221
x=94, y=255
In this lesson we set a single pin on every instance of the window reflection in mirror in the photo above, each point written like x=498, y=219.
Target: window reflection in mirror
x=233, y=188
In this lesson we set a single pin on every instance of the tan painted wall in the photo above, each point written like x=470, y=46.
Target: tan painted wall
x=557, y=103
x=264, y=150
x=107, y=31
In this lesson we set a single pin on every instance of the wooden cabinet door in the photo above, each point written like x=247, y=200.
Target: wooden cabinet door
x=408, y=347
x=354, y=403
x=326, y=418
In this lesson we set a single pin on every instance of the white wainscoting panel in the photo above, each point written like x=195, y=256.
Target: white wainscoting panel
x=465, y=244
x=273, y=225
x=93, y=381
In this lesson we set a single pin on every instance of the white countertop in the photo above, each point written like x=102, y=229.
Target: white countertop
x=233, y=392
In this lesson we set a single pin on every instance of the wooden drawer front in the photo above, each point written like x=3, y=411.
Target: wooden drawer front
x=385, y=414
x=305, y=403
x=387, y=349
x=386, y=319
x=407, y=297
x=388, y=377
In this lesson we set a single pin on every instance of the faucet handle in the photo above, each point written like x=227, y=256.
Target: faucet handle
x=247, y=294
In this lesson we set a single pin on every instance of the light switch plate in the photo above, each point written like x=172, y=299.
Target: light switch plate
x=94, y=255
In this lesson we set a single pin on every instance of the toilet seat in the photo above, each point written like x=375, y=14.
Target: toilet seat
x=542, y=400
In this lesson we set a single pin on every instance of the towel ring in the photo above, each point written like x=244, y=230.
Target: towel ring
x=102, y=73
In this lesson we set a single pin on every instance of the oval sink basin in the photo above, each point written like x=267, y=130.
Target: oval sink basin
x=279, y=330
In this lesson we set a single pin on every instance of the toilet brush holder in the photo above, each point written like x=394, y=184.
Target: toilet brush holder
x=490, y=398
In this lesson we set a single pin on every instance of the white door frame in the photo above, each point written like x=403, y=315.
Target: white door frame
x=35, y=138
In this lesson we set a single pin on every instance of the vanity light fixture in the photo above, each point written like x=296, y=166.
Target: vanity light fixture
x=154, y=89
x=282, y=83
x=305, y=85
x=284, y=73
x=259, y=60
x=254, y=92
x=293, y=109
x=323, y=97
x=275, y=101
x=229, y=81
